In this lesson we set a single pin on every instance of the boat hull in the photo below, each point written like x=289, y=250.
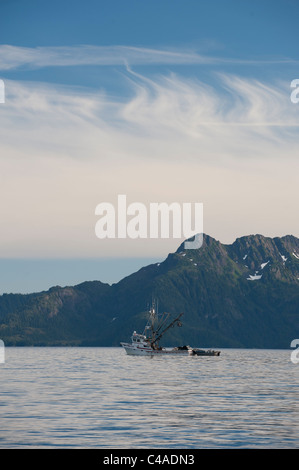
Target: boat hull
x=133, y=350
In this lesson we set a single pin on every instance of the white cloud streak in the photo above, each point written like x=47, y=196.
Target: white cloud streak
x=13, y=57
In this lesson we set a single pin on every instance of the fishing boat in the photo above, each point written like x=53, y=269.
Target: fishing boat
x=147, y=343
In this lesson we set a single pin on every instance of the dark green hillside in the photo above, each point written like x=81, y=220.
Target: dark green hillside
x=240, y=295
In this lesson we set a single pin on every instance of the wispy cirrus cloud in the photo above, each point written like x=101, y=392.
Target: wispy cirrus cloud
x=223, y=116
x=13, y=57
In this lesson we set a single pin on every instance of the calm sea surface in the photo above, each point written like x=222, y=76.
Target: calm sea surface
x=102, y=398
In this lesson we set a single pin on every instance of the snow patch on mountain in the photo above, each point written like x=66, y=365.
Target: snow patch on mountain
x=256, y=277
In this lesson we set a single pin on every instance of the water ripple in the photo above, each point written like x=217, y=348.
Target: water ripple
x=99, y=397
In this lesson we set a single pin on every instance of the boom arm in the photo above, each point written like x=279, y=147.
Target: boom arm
x=176, y=320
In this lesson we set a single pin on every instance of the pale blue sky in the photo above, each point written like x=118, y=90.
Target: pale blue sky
x=235, y=27
x=238, y=30
x=162, y=100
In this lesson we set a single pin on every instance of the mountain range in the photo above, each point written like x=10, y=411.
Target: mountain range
x=243, y=295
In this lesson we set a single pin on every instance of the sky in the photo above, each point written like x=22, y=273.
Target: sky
x=161, y=101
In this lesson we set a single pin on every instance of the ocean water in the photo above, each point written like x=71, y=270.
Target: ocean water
x=102, y=398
